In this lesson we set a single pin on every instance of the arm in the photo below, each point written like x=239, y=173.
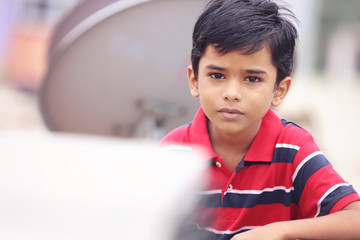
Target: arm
x=340, y=225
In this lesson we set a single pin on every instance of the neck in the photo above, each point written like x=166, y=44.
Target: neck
x=232, y=146
x=238, y=140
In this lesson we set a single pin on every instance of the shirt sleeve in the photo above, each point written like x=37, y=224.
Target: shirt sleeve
x=318, y=189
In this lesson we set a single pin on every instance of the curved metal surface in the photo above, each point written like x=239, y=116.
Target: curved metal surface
x=122, y=71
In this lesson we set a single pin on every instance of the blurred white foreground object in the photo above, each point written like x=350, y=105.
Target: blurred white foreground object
x=80, y=187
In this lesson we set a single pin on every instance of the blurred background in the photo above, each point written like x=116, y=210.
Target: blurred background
x=325, y=96
x=25, y=32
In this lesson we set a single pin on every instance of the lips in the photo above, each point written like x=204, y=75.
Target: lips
x=230, y=114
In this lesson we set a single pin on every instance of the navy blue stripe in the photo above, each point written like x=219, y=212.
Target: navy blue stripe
x=285, y=123
x=240, y=165
x=186, y=124
x=249, y=164
x=307, y=170
x=330, y=200
x=211, y=200
x=236, y=200
x=284, y=155
x=211, y=162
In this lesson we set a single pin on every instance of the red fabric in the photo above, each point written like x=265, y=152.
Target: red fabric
x=278, y=181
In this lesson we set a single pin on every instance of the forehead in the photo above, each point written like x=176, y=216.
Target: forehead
x=261, y=59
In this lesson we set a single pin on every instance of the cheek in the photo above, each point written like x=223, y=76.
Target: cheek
x=208, y=92
x=261, y=100
x=205, y=99
x=260, y=96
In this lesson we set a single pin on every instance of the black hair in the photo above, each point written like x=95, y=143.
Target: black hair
x=247, y=26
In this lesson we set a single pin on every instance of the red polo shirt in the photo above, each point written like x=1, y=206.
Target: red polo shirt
x=283, y=176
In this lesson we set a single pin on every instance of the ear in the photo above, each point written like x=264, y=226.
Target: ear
x=281, y=91
x=193, y=82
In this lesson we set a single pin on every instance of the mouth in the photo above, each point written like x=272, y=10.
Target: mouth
x=230, y=114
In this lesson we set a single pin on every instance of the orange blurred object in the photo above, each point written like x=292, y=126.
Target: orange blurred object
x=27, y=55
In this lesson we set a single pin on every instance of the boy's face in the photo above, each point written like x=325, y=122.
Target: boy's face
x=236, y=90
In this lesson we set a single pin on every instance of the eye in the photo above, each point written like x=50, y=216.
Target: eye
x=216, y=75
x=253, y=79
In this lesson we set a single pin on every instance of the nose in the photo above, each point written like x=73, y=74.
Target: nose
x=232, y=91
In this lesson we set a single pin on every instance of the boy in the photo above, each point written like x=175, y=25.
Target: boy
x=267, y=177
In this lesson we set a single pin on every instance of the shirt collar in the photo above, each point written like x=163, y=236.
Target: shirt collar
x=263, y=145
x=199, y=135
x=261, y=149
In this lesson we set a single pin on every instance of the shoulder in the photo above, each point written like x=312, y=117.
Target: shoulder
x=178, y=136
x=295, y=144
x=294, y=134
x=188, y=134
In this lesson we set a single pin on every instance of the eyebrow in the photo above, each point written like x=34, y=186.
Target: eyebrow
x=255, y=71
x=249, y=71
x=214, y=67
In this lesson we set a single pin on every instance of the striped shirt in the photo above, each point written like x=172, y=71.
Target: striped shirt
x=283, y=176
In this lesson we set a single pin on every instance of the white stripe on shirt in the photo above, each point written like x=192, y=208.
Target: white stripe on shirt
x=285, y=145
x=303, y=162
x=333, y=188
x=228, y=231
x=264, y=190
x=218, y=191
